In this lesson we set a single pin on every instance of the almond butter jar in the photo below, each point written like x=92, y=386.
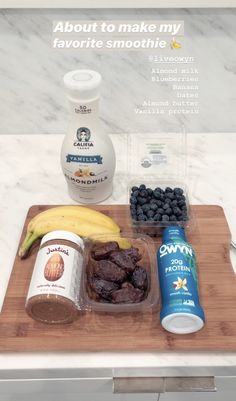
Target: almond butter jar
x=53, y=291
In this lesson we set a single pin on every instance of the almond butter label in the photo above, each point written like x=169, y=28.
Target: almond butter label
x=57, y=271
x=54, y=267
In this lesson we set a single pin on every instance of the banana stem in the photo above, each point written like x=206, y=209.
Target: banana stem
x=30, y=238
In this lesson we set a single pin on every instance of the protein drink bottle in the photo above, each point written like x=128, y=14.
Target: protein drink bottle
x=87, y=154
x=181, y=312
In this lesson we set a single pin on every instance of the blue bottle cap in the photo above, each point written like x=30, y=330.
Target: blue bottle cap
x=173, y=232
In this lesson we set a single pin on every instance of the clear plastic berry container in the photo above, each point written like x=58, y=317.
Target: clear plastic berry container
x=90, y=300
x=153, y=224
x=158, y=160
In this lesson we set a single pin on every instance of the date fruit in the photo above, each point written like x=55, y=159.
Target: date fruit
x=133, y=253
x=139, y=278
x=128, y=295
x=123, y=260
x=103, y=251
x=102, y=287
x=114, y=276
x=109, y=271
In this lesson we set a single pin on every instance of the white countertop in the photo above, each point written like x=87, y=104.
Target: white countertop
x=116, y=3
x=31, y=174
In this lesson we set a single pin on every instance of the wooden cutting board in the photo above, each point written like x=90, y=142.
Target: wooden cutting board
x=136, y=331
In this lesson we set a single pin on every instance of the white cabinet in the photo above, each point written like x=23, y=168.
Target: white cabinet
x=100, y=389
x=78, y=397
x=226, y=390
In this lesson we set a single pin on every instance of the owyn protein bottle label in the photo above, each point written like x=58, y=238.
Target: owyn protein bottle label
x=181, y=312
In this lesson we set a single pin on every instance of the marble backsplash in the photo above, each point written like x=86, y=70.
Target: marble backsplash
x=32, y=95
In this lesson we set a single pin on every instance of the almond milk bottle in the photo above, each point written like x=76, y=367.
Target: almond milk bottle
x=87, y=154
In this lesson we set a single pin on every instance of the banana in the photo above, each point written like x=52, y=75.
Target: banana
x=50, y=222
x=122, y=242
x=78, y=212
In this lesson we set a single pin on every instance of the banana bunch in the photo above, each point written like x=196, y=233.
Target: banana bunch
x=80, y=220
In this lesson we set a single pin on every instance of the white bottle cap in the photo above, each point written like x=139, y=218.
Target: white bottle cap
x=182, y=323
x=61, y=234
x=82, y=84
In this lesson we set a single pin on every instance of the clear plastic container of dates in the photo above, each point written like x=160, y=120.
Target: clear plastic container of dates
x=157, y=191
x=119, y=274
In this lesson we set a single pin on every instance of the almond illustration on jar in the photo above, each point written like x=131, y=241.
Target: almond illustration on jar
x=54, y=267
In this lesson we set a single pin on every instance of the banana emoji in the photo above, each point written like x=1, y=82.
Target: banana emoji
x=175, y=45
x=80, y=220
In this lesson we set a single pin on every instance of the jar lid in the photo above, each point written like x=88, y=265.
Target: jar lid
x=61, y=234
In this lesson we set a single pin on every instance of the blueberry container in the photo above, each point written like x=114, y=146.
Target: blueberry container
x=152, y=227
x=90, y=300
x=158, y=161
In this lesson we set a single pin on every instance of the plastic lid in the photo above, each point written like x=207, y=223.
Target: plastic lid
x=157, y=156
x=182, y=323
x=173, y=232
x=60, y=234
x=82, y=84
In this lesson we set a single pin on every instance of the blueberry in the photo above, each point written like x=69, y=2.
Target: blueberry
x=177, y=211
x=154, y=201
x=142, y=186
x=173, y=218
x=160, y=211
x=135, y=193
x=180, y=217
x=141, y=200
x=146, y=207
x=158, y=189
x=141, y=217
x=174, y=202
x=157, y=194
x=143, y=193
x=183, y=197
x=150, y=213
x=178, y=197
x=170, y=195
x=159, y=203
x=178, y=191
x=157, y=217
x=184, y=208
x=133, y=200
x=149, y=191
x=139, y=211
x=168, y=201
x=133, y=189
x=162, y=197
x=166, y=206
x=165, y=217
x=181, y=203
x=168, y=189
x=168, y=211
x=153, y=207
